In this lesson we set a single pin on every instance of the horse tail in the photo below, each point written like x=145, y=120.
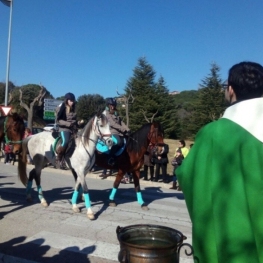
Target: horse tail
x=22, y=162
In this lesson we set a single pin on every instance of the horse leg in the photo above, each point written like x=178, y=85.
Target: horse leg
x=115, y=188
x=80, y=190
x=74, y=198
x=136, y=176
x=39, y=188
x=90, y=213
x=29, y=186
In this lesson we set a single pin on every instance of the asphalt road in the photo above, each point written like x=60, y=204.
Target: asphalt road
x=30, y=233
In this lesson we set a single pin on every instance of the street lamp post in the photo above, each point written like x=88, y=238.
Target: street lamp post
x=8, y=51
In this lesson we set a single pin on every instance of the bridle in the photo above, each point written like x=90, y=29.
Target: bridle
x=96, y=129
x=150, y=137
x=6, y=128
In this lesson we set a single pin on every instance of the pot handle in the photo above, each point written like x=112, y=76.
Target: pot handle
x=190, y=253
x=118, y=230
x=123, y=256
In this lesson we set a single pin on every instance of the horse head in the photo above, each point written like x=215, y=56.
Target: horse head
x=14, y=128
x=156, y=136
x=102, y=128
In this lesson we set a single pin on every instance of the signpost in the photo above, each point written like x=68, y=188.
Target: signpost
x=50, y=106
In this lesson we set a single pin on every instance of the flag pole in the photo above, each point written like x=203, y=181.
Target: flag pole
x=8, y=52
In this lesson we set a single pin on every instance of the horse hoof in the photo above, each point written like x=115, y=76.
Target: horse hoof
x=45, y=204
x=91, y=216
x=144, y=207
x=112, y=203
x=29, y=200
x=75, y=209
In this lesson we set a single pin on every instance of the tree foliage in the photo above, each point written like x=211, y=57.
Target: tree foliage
x=210, y=103
x=88, y=105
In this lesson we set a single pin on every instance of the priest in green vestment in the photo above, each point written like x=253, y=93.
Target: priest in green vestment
x=222, y=176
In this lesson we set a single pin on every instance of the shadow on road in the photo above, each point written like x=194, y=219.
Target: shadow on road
x=38, y=252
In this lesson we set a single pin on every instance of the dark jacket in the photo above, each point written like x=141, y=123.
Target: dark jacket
x=163, y=155
x=66, y=121
x=148, y=156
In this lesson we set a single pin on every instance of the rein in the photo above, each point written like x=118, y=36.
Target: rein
x=98, y=133
x=5, y=132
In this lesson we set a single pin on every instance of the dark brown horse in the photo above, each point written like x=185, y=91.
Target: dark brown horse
x=12, y=128
x=131, y=159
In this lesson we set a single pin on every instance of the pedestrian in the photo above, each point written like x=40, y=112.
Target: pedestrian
x=183, y=148
x=8, y=151
x=160, y=159
x=176, y=162
x=105, y=173
x=221, y=178
x=148, y=163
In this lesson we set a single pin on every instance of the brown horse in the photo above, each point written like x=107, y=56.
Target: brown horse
x=131, y=159
x=12, y=128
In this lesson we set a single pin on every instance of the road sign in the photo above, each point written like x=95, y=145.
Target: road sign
x=6, y=109
x=50, y=106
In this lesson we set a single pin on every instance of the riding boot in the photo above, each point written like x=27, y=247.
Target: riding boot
x=174, y=186
x=60, y=153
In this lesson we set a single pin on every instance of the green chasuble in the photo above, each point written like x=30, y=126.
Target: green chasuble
x=222, y=182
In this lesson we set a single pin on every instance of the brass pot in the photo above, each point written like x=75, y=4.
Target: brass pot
x=149, y=244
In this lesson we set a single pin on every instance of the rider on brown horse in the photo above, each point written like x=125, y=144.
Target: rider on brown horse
x=117, y=127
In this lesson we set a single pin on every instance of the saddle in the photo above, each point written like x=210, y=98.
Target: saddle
x=58, y=141
x=103, y=148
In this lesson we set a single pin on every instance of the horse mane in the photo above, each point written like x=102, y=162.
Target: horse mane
x=85, y=132
x=138, y=138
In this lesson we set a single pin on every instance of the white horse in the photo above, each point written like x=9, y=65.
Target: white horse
x=40, y=149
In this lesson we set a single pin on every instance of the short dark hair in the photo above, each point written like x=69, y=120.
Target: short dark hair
x=246, y=79
x=182, y=142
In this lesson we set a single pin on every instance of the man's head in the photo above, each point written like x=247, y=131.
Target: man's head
x=245, y=81
x=111, y=103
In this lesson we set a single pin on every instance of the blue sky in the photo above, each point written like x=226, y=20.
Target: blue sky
x=92, y=47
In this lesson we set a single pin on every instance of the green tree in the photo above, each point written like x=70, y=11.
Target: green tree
x=210, y=103
x=11, y=87
x=143, y=88
x=28, y=101
x=88, y=105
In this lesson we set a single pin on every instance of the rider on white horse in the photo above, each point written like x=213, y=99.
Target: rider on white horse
x=66, y=118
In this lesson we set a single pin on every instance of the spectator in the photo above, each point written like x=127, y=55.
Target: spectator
x=8, y=151
x=148, y=163
x=160, y=159
x=176, y=162
x=183, y=148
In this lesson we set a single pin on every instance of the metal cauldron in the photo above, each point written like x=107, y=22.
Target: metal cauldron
x=150, y=244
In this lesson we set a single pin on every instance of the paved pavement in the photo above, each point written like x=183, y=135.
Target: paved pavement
x=30, y=233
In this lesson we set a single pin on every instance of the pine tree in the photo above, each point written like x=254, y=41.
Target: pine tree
x=211, y=102
x=142, y=87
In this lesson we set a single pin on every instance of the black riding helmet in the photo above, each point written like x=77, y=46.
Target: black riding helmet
x=111, y=101
x=70, y=96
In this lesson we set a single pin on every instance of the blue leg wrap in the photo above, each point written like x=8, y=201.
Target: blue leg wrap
x=139, y=198
x=113, y=192
x=87, y=200
x=40, y=194
x=29, y=187
x=74, y=197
